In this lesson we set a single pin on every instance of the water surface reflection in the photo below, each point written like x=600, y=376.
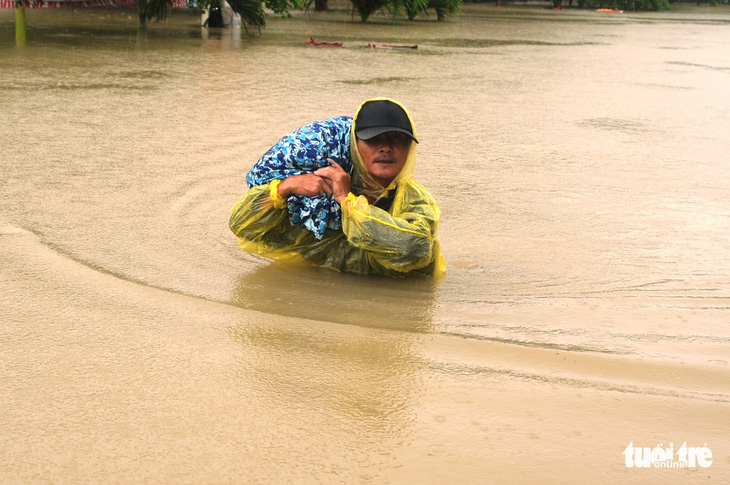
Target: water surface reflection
x=319, y=294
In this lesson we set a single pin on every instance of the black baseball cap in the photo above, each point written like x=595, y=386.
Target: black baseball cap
x=382, y=116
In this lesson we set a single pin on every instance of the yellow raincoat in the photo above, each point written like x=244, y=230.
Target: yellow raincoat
x=396, y=242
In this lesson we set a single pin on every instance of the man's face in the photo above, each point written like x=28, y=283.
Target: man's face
x=385, y=155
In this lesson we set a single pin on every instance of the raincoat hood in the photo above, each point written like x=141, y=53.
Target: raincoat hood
x=362, y=182
x=353, y=235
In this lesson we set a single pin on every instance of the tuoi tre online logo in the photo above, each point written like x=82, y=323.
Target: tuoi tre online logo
x=684, y=457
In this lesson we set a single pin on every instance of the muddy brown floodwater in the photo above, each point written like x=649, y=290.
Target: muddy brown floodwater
x=580, y=161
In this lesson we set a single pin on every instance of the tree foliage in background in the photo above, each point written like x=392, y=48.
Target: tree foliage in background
x=152, y=9
x=443, y=8
x=365, y=8
x=319, y=5
x=411, y=7
x=656, y=5
x=251, y=11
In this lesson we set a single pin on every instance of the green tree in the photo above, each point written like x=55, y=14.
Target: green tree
x=411, y=7
x=152, y=9
x=319, y=5
x=443, y=8
x=365, y=8
x=251, y=11
x=656, y=5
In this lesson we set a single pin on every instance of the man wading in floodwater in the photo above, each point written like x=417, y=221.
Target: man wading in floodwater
x=340, y=193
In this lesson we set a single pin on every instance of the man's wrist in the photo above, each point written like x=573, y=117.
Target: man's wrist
x=283, y=189
x=340, y=198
